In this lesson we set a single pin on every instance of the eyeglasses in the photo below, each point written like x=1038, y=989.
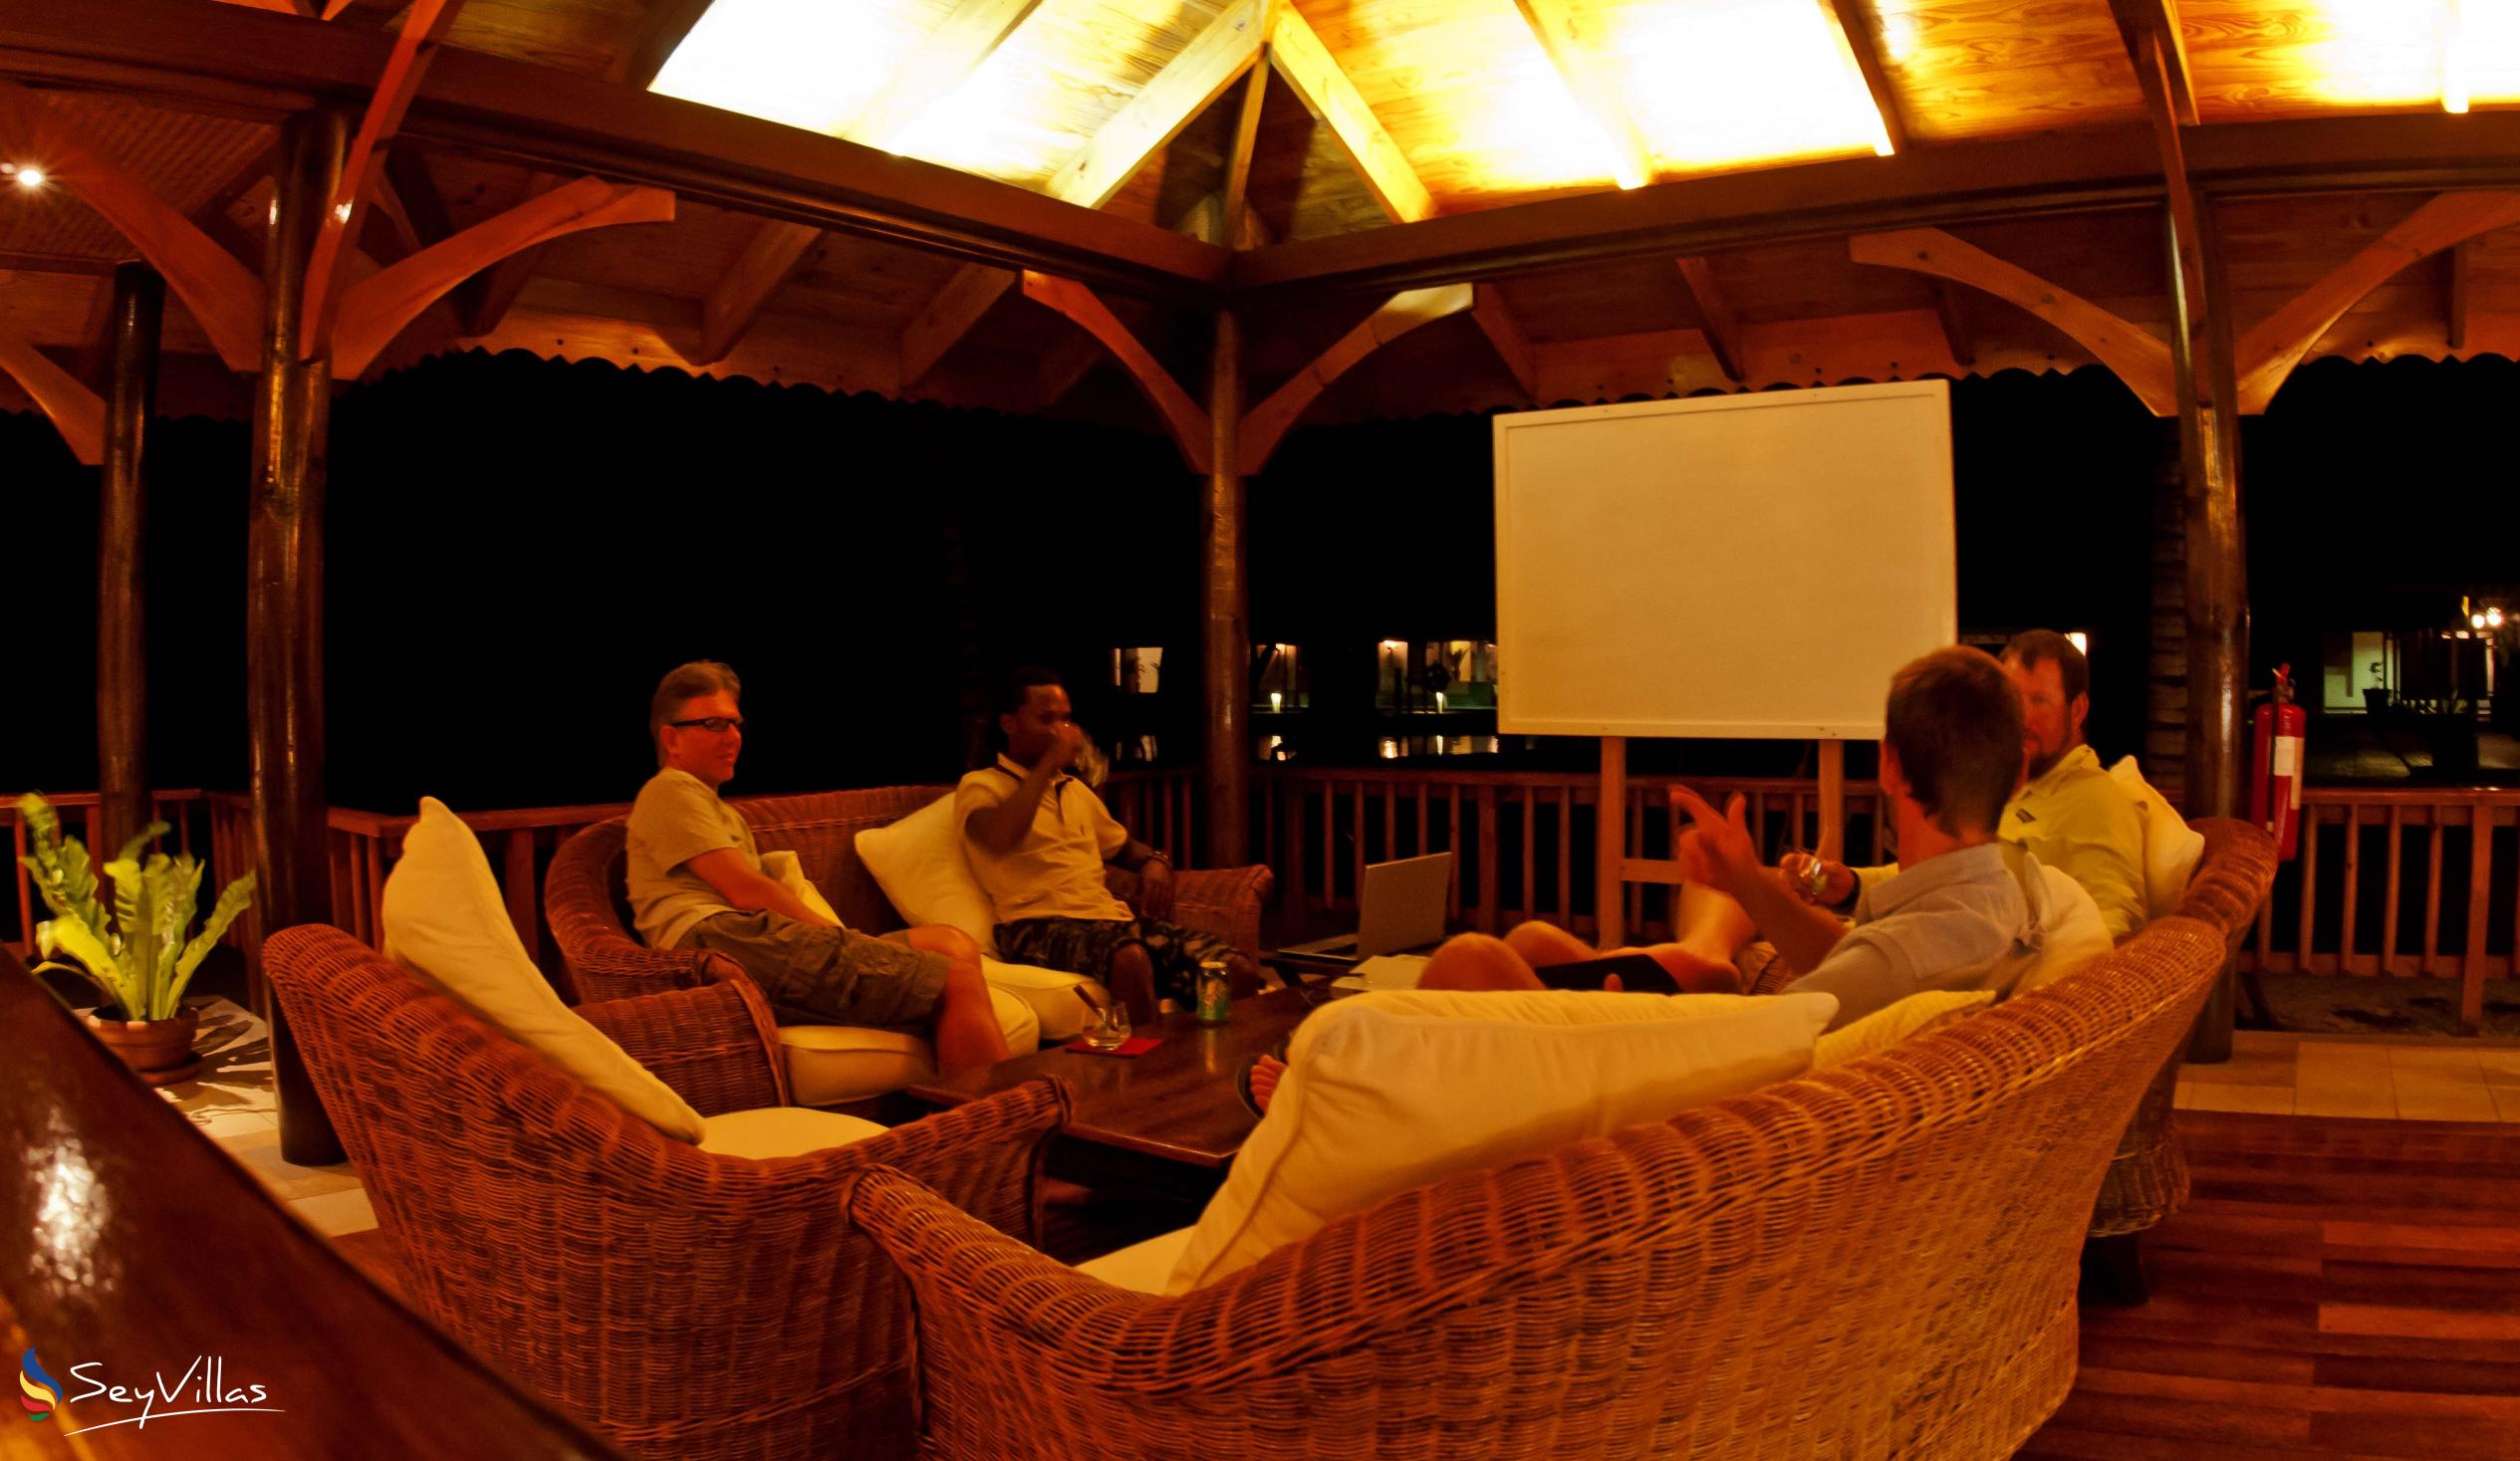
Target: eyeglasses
x=716, y=725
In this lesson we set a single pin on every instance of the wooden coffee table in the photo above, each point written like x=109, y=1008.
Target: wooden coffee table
x=1168, y=1119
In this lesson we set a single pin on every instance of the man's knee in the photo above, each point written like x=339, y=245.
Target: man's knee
x=1476, y=961
x=1129, y=961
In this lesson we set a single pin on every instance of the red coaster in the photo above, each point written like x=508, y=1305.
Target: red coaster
x=1136, y=1044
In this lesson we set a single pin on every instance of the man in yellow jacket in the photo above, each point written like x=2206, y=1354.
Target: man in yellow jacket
x=2071, y=813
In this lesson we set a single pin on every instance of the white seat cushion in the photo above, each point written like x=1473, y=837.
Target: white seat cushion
x=445, y=921
x=1051, y=995
x=782, y=1131
x=2076, y=936
x=1910, y=1017
x=828, y=1065
x=2171, y=849
x=1141, y=1267
x=1385, y=1091
x=919, y=863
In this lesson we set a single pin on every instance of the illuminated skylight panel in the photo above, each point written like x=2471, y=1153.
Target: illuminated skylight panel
x=2489, y=44
x=988, y=128
x=1722, y=83
x=812, y=63
x=1523, y=132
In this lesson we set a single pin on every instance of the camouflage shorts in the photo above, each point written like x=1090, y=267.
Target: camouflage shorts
x=1086, y=946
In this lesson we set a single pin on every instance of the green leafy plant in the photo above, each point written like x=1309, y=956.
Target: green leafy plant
x=139, y=958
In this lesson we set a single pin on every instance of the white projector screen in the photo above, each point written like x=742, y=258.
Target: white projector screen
x=1749, y=566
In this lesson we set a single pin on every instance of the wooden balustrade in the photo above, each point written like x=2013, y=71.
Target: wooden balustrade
x=2435, y=874
x=185, y=812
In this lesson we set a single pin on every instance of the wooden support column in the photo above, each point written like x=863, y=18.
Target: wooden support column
x=1227, y=628
x=283, y=598
x=139, y=308
x=1609, y=845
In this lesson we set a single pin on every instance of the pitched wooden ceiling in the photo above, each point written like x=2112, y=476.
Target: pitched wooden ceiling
x=1362, y=116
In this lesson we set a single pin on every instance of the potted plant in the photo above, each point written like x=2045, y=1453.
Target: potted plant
x=139, y=958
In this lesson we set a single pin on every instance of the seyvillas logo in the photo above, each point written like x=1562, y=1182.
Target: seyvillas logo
x=203, y=1389
x=38, y=1391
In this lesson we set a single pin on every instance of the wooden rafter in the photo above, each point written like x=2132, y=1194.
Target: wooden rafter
x=1183, y=417
x=956, y=308
x=223, y=296
x=75, y=410
x=1856, y=22
x=2460, y=308
x=1214, y=59
x=1233, y=200
x=2138, y=358
x=1721, y=327
x=1266, y=424
x=1956, y=338
x=944, y=61
x=1064, y=365
x=2137, y=19
x=1554, y=27
x=423, y=27
x=1297, y=53
x=2267, y=354
x=1496, y=321
x=375, y=309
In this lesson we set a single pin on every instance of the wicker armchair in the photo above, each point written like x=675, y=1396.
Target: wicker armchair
x=1875, y=1260
x=678, y=1302
x=585, y=894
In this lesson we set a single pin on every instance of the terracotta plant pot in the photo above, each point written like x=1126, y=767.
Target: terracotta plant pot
x=159, y=1051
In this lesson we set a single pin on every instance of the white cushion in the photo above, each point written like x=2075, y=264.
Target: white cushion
x=1049, y=993
x=1141, y=1267
x=828, y=1065
x=782, y=1131
x=445, y=921
x=2076, y=936
x=783, y=867
x=2171, y=849
x=1385, y=1091
x=919, y=863
x=1883, y=1028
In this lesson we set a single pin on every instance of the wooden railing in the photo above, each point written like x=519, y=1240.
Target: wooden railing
x=190, y=825
x=2434, y=874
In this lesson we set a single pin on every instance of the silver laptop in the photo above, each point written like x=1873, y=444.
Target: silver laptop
x=1400, y=907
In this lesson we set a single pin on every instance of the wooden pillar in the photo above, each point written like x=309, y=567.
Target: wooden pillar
x=284, y=603
x=139, y=307
x=2164, y=758
x=1226, y=629
x=2217, y=599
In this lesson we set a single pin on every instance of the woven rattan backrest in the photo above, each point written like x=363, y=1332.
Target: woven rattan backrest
x=822, y=830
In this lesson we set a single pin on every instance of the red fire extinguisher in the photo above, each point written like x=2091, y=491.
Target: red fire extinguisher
x=2276, y=766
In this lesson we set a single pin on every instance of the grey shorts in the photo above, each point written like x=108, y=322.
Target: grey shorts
x=829, y=973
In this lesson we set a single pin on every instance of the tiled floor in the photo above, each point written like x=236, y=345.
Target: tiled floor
x=2347, y=1075
x=231, y=1102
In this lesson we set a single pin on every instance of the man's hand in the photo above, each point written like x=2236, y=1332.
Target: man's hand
x=1154, y=888
x=1817, y=880
x=1717, y=849
x=1065, y=741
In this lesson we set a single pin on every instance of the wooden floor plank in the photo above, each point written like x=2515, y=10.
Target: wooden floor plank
x=2337, y=1288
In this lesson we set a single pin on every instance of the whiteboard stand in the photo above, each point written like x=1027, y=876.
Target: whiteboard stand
x=1614, y=869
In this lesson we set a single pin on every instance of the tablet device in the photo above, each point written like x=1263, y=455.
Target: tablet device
x=1637, y=974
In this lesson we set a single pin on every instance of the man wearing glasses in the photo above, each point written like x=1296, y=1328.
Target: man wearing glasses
x=696, y=881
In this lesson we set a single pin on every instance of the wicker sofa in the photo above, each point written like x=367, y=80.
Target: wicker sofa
x=586, y=895
x=1875, y=1260
x=678, y=1302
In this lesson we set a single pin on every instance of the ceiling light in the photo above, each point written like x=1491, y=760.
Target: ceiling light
x=2453, y=61
x=2475, y=620
x=27, y=174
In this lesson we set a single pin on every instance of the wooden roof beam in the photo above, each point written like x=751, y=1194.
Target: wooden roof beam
x=2460, y=308
x=75, y=410
x=223, y=294
x=944, y=61
x=1183, y=418
x=1860, y=30
x=1552, y=26
x=2268, y=351
x=948, y=316
x=1495, y=318
x=1721, y=327
x=376, y=308
x=1296, y=52
x=1234, y=198
x=1266, y=424
x=2138, y=358
x=2139, y=19
x=1214, y=59
x=424, y=28
x=1958, y=340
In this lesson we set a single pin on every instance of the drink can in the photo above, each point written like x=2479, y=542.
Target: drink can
x=1216, y=993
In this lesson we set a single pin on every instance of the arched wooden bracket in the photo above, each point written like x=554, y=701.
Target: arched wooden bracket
x=2140, y=357
x=76, y=411
x=2266, y=354
x=345, y=214
x=223, y=294
x=1181, y=416
x=1265, y=424
x=375, y=309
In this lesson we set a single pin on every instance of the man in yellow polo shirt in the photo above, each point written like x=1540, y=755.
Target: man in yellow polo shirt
x=2071, y=813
